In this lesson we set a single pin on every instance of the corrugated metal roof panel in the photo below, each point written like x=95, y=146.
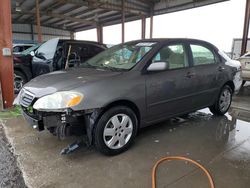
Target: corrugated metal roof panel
x=69, y=14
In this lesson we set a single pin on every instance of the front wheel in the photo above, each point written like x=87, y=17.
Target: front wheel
x=115, y=130
x=223, y=101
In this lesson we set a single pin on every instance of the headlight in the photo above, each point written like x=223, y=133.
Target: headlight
x=58, y=100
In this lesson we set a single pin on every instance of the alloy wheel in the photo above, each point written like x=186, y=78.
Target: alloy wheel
x=225, y=100
x=18, y=83
x=118, y=131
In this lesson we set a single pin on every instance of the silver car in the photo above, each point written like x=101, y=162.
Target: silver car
x=129, y=86
x=245, y=65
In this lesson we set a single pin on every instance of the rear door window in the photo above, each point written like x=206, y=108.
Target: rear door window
x=202, y=55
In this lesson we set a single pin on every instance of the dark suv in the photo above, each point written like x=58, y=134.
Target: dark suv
x=127, y=87
x=51, y=56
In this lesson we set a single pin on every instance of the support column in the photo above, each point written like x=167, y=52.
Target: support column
x=246, y=28
x=6, y=64
x=39, y=34
x=99, y=30
x=143, y=27
x=72, y=35
x=32, y=32
x=123, y=21
x=151, y=26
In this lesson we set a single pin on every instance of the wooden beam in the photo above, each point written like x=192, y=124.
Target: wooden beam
x=107, y=6
x=39, y=32
x=246, y=28
x=143, y=27
x=6, y=64
x=123, y=21
x=56, y=15
x=99, y=30
x=151, y=26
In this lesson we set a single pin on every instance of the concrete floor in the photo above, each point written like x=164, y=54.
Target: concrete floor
x=221, y=144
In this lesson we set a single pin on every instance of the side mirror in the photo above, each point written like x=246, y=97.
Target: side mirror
x=32, y=53
x=158, y=66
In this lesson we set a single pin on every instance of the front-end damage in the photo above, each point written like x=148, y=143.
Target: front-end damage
x=64, y=124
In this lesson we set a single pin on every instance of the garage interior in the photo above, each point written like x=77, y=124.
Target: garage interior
x=221, y=144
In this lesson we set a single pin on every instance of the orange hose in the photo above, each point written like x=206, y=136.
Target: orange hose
x=180, y=158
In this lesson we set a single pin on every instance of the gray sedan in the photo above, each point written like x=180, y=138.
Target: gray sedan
x=129, y=86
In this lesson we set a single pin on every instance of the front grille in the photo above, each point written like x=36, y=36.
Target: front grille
x=26, y=98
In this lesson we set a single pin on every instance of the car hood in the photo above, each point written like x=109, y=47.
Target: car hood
x=66, y=80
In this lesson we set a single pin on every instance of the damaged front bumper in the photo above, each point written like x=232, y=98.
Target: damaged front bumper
x=63, y=124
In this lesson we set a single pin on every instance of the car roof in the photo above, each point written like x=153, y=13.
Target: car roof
x=82, y=41
x=160, y=40
x=23, y=44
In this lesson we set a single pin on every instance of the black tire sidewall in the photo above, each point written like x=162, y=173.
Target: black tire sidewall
x=20, y=74
x=99, y=129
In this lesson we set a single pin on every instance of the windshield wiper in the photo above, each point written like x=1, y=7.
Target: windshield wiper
x=86, y=65
x=113, y=68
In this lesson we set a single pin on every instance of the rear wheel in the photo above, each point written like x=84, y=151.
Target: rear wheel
x=223, y=101
x=19, y=80
x=115, y=130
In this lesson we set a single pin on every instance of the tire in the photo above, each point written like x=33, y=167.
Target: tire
x=225, y=97
x=111, y=137
x=19, y=80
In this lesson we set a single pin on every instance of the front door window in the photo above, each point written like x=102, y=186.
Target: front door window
x=174, y=55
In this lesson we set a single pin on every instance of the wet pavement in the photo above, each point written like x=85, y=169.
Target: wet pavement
x=221, y=144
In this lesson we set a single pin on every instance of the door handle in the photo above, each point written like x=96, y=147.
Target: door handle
x=190, y=74
x=220, y=68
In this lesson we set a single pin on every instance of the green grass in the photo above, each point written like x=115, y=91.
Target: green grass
x=11, y=113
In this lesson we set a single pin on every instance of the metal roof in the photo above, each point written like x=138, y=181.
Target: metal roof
x=78, y=15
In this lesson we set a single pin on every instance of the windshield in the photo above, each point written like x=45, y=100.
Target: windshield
x=120, y=57
x=33, y=48
x=47, y=49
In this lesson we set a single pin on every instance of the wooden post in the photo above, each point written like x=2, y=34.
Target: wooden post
x=6, y=64
x=143, y=27
x=246, y=28
x=151, y=26
x=39, y=34
x=99, y=31
x=123, y=20
x=72, y=35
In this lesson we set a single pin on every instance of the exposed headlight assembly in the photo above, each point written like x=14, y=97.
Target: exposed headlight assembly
x=58, y=101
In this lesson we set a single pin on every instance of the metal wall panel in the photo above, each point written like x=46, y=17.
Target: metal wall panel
x=22, y=33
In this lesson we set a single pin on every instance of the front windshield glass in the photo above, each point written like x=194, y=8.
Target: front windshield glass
x=122, y=57
x=47, y=50
x=33, y=48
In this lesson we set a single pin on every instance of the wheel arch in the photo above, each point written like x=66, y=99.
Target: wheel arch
x=97, y=113
x=126, y=103
x=21, y=71
x=230, y=84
